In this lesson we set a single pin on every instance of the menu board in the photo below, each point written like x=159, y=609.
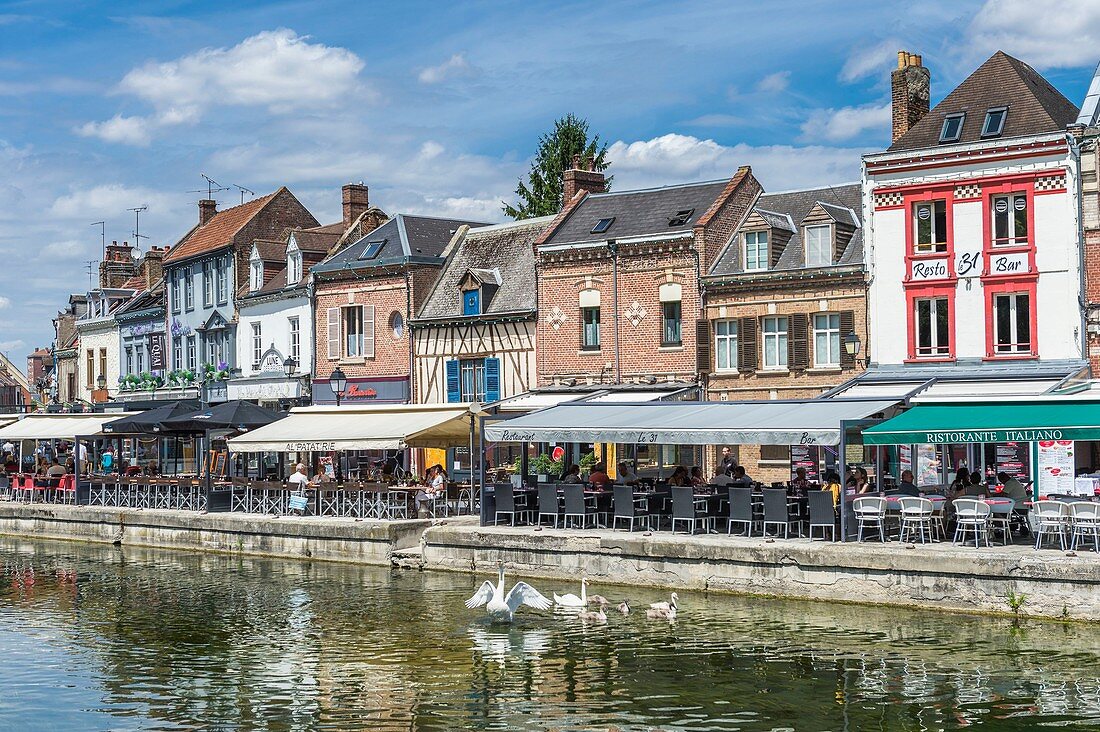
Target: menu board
x=1056, y=466
x=808, y=457
x=1012, y=458
x=905, y=458
x=928, y=465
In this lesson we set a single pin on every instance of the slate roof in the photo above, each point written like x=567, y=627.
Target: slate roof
x=842, y=202
x=405, y=235
x=145, y=299
x=637, y=213
x=504, y=249
x=1034, y=105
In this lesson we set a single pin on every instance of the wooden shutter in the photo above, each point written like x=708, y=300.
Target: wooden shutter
x=368, y=331
x=798, y=342
x=333, y=334
x=492, y=380
x=703, y=341
x=454, y=387
x=747, y=354
x=847, y=325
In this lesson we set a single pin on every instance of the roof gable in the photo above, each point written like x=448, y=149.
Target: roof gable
x=1034, y=105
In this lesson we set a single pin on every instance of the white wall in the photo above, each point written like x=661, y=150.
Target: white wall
x=273, y=317
x=95, y=339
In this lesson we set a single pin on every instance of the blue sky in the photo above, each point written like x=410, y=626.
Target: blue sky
x=106, y=106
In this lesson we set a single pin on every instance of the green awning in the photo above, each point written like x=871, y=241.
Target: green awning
x=1003, y=422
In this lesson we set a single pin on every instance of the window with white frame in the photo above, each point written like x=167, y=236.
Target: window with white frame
x=670, y=294
x=353, y=331
x=819, y=246
x=293, y=268
x=139, y=359
x=295, y=340
x=257, y=345
x=192, y=353
x=1012, y=323
x=129, y=360
x=930, y=227
x=589, y=301
x=256, y=274
x=775, y=342
x=1010, y=220
x=725, y=345
x=189, y=289
x=207, y=285
x=827, y=340
x=175, y=292
x=177, y=352
x=932, y=323
x=472, y=379
x=756, y=250
x=222, y=267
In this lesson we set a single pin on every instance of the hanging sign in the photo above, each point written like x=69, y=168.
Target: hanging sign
x=157, y=361
x=1007, y=264
x=930, y=269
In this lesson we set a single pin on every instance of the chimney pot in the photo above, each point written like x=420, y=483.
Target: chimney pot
x=910, y=93
x=207, y=209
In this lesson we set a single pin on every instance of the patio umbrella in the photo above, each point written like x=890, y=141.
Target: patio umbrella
x=151, y=421
x=235, y=415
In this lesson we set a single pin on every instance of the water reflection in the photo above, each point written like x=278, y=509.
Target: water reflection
x=123, y=638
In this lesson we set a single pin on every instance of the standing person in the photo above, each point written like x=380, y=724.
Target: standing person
x=107, y=461
x=728, y=461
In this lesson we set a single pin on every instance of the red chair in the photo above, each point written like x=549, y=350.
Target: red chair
x=66, y=490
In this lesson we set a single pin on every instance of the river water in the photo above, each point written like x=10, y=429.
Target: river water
x=97, y=637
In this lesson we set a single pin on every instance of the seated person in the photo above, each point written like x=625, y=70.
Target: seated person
x=56, y=469
x=906, y=487
x=800, y=485
x=832, y=484
x=572, y=475
x=697, y=478
x=1013, y=488
x=626, y=475
x=679, y=477
x=724, y=477
x=740, y=479
x=599, y=476
x=299, y=477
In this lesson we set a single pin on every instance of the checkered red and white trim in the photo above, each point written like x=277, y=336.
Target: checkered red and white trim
x=1056, y=182
x=888, y=199
x=968, y=191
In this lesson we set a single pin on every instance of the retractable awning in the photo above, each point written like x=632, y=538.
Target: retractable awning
x=58, y=426
x=790, y=422
x=1008, y=421
x=356, y=427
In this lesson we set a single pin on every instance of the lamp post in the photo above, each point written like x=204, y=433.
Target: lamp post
x=289, y=366
x=337, y=381
x=852, y=344
x=101, y=387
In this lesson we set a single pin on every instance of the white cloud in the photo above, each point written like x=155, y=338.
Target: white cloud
x=774, y=83
x=455, y=67
x=675, y=158
x=1063, y=36
x=108, y=200
x=874, y=59
x=64, y=249
x=4, y=302
x=13, y=345
x=845, y=123
x=276, y=70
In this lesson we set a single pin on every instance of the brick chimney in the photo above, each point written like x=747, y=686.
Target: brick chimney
x=356, y=202
x=151, y=267
x=581, y=178
x=910, y=85
x=207, y=209
x=117, y=265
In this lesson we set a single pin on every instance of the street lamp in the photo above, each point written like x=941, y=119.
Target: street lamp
x=101, y=382
x=337, y=381
x=852, y=344
x=289, y=366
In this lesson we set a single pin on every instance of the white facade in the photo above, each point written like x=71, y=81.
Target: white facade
x=975, y=271
x=269, y=331
x=99, y=340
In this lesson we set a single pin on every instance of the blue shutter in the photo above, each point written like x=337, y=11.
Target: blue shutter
x=454, y=388
x=492, y=380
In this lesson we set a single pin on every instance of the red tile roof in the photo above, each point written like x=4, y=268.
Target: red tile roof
x=218, y=231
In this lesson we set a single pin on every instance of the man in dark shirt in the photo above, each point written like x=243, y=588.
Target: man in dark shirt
x=741, y=480
x=1013, y=488
x=906, y=487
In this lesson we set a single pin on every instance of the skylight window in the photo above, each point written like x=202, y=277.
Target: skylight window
x=682, y=217
x=370, y=251
x=603, y=225
x=952, y=127
x=994, y=123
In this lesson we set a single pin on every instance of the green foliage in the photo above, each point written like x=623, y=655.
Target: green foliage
x=542, y=194
x=1015, y=602
x=588, y=462
x=544, y=465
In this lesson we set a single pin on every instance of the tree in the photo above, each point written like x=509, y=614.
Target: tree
x=542, y=194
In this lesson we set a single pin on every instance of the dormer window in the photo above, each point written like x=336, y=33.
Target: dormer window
x=952, y=127
x=293, y=268
x=256, y=274
x=603, y=225
x=819, y=246
x=682, y=217
x=370, y=251
x=471, y=302
x=994, y=123
x=756, y=250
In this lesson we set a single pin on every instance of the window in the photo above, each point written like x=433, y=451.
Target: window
x=257, y=346
x=207, y=285
x=294, y=268
x=397, y=325
x=1010, y=220
x=188, y=290
x=471, y=302
x=370, y=251
x=670, y=319
x=590, y=328
x=933, y=331
x=681, y=217
x=725, y=345
x=1012, y=323
x=603, y=225
x=139, y=359
x=175, y=292
x=994, y=122
x=756, y=250
x=472, y=380
x=89, y=367
x=952, y=127
x=819, y=246
x=295, y=340
x=213, y=348
x=775, y=454
x=775, y=342
x=222, y=267
x=192, y=353
x=177, y=352
x=353, y=331
x=256, y=275
x=930, y=227
x=827, y=340
x=129, y=360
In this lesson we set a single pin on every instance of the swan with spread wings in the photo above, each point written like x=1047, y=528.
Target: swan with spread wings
x=502, y=608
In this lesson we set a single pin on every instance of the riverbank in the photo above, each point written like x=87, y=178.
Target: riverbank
x=936, y=576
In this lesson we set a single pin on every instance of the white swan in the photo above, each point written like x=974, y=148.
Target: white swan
x=666, y=606
x=503, y=608
x=571, y=600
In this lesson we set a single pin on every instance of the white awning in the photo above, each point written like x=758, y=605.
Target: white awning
x=58, y=426
x=363, y=427
x=789, y=422
x=532, y=400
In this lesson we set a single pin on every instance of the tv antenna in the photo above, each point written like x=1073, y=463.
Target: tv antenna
x=212, y=186
x=243, y=191
x=89, y=264
x=138, y=236
x=102, y=234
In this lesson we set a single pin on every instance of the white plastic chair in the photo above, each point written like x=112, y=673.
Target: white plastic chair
x=1051, y=519
x=971, y=516
x=1085, y=523
x=870, y=512
x=916, y=516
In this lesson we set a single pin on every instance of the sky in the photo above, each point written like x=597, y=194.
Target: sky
x=437, y=107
